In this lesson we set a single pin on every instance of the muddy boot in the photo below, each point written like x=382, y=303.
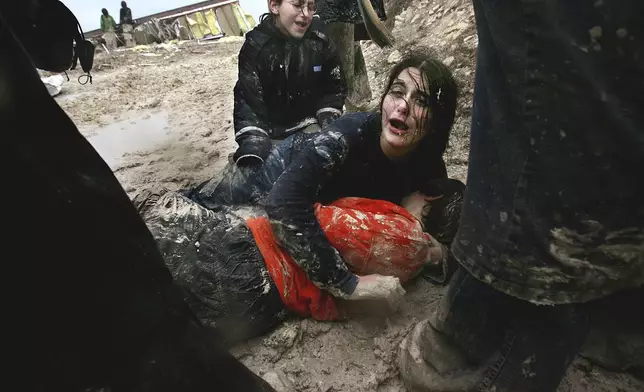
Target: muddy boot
x=480, y=339
x=427, y=362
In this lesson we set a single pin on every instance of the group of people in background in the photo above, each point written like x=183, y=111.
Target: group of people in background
x=109, y=27
x=550, y=221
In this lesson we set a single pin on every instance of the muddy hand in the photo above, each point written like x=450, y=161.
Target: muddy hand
x=379, y=287
x=437, y=252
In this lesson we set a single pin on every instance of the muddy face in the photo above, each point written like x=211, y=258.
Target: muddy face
x=405, y=111
x=293, y=17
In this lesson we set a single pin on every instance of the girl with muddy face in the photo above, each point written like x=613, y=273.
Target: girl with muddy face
x=417, y=107
x=292, y=17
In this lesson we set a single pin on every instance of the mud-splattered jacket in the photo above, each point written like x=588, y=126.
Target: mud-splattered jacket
x=553, y=211
x=284, y=85
x=346, y=160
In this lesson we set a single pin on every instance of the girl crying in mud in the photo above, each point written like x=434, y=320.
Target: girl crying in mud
x=385, y=155
x=237, y=278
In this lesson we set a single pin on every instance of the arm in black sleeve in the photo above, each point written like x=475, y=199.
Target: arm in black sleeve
x=333, y=90
x=250, y=112
x=290, y=206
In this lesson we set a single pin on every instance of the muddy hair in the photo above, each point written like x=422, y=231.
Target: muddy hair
x=440, y=216
x=438, y=81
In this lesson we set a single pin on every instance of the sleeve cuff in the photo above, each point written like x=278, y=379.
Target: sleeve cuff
x=346, y=288
x=329, y=110
x=253, y=129
x=250, y=157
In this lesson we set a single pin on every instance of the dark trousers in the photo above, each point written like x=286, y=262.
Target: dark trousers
x=481, y=339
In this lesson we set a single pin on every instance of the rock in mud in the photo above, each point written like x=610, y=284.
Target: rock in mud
x=282, y=340
x=394, y=57
x=314, y=328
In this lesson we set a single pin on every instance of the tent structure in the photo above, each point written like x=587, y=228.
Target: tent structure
x=199, y=21
x=211, y=21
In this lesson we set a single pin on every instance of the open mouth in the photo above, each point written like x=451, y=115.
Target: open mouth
x=302, y=25
x=398, y=124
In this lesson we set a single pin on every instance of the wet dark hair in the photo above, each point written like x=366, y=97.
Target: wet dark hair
x=440, y=217
x=104, y=11
x=440, y=85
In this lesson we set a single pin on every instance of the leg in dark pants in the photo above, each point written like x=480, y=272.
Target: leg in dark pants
x=481, y=339
x=105, y=311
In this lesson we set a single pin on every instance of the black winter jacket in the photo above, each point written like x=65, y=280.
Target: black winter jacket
x=284, y=85
x=345, y=160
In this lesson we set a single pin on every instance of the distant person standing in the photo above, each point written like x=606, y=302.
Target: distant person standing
x=127, y=24
x=126, y=14
x=108, y=26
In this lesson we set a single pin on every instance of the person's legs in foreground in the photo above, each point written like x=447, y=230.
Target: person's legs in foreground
x=481, y=339
x=552, y=219
x=106, y=313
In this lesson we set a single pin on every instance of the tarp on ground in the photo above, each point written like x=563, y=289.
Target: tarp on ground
x=240, y=18
x=154, y=30
x=211, y=19
x=227, y=21
x=198, y=27
x=184, y=28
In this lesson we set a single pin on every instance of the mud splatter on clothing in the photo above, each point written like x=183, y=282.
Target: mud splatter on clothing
x=344, y=161
x=553, y=211
x=284, y=85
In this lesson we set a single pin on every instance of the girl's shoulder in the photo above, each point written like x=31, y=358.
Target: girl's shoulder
x=255, y=43
x=356, y=127
x=259, y=34
x=359, y=121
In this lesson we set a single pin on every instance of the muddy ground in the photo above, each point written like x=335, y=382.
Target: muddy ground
x=163, y=115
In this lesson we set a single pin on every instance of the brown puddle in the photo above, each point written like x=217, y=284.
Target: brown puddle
x=141, y=132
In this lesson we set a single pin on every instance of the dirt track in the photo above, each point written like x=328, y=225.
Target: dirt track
x=164, y=116
x=159, y=116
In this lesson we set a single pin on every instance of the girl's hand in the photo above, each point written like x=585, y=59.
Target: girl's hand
x=379, y=287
